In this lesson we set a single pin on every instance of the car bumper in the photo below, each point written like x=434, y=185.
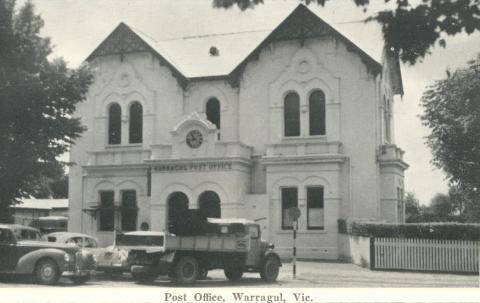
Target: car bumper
x=79, y=273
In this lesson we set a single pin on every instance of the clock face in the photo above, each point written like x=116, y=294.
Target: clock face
x=194, y=139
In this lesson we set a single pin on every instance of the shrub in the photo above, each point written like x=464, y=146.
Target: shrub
x=440, y=231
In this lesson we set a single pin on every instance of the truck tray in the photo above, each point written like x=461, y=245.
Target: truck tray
x=211, y=243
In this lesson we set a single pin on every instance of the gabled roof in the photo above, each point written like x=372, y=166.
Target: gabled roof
x=189, y=58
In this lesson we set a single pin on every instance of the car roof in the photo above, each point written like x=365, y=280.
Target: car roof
x=60, y=218
x=17, y=226
x=65, y=235
x=146, y=233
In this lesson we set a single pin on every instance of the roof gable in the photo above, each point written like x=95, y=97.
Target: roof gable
x=124, y=40
x=300, y=24
x=303, y=24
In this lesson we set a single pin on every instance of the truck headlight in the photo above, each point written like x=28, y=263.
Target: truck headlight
x=271, y=246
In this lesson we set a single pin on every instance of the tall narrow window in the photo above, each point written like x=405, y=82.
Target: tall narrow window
x=213, y=111
x=114, y=124
x=106, y=211
x=316, y=106
x=129, y=210
x=289, y=199
x=292, y=115
x=386, y=117
x=136, y=123
x=315, y=209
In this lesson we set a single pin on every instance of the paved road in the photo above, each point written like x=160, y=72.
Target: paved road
x=309, y=274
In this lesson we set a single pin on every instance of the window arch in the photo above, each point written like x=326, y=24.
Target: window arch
x=135, y=123
x=292, y=115
x=213, y=111
x=114, y=124
x=316, y=107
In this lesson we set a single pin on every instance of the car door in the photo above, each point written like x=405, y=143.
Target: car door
x=8, y=250
x=254, y=253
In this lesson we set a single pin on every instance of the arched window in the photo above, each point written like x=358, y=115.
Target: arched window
x=177, y=204
x=129, y=210
x=135, y=123
x=292, y=115
x=316, y=107
x=114, y=124
x=213, y=111
x=209, y=204
x=106, y=215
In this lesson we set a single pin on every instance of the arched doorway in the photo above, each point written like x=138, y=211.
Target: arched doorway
x=177, y=204
x=209, y=204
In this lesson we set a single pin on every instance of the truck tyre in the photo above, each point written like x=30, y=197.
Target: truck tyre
x=144, y=277
x=186, y=271
x=47, y=272
x=78, y=280
x=270, y=269
x=233, y=273
x=203, y=272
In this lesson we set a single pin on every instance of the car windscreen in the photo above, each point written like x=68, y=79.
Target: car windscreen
x=139, y=240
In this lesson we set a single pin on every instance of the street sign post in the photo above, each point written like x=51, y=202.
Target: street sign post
x=294, y=214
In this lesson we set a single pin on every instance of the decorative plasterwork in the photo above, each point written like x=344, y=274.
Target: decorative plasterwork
x=124, y=87
x=194, y=119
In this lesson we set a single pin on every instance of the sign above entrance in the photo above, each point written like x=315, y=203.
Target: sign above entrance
x=207, y=166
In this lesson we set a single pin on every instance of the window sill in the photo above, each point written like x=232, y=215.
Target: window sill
x=305, y=139
x=126, y=146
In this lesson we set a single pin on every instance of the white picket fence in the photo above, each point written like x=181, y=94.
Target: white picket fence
x=425, y=254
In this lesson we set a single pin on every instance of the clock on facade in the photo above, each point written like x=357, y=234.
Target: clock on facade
x=194, y=139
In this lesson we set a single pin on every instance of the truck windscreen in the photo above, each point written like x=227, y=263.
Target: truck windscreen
x=137, y=240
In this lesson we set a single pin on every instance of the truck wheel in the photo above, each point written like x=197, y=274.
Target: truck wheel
x=233, y=273
x=270, y=269
x=144, y=277
x=78, y=280
x=46, y=272
x=202, y=274
x=186, y=270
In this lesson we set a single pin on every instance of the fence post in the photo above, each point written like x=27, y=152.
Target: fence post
x=372, y=253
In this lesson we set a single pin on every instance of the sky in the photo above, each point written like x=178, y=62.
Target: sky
x=77, y=27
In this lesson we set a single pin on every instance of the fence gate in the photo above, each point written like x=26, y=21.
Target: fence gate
x=425, y=254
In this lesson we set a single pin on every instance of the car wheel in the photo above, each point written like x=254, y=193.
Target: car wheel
x=270, y=269
x=46, y=272
x=186, y=270
x=144, y=277
x=233, y=273
x=78, y=280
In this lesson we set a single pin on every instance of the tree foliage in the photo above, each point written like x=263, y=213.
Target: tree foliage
x=410, y=30
x=452, y=112
x=38, y=97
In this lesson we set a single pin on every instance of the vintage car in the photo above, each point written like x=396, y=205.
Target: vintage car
x=111, y=260
x=24, y=251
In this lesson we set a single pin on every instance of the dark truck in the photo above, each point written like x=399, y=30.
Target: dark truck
x=24, y=251
x=236, y=247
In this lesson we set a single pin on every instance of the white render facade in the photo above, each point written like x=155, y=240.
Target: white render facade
x=348, y=168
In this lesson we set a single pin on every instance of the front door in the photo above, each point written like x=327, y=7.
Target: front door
x=8, y=251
